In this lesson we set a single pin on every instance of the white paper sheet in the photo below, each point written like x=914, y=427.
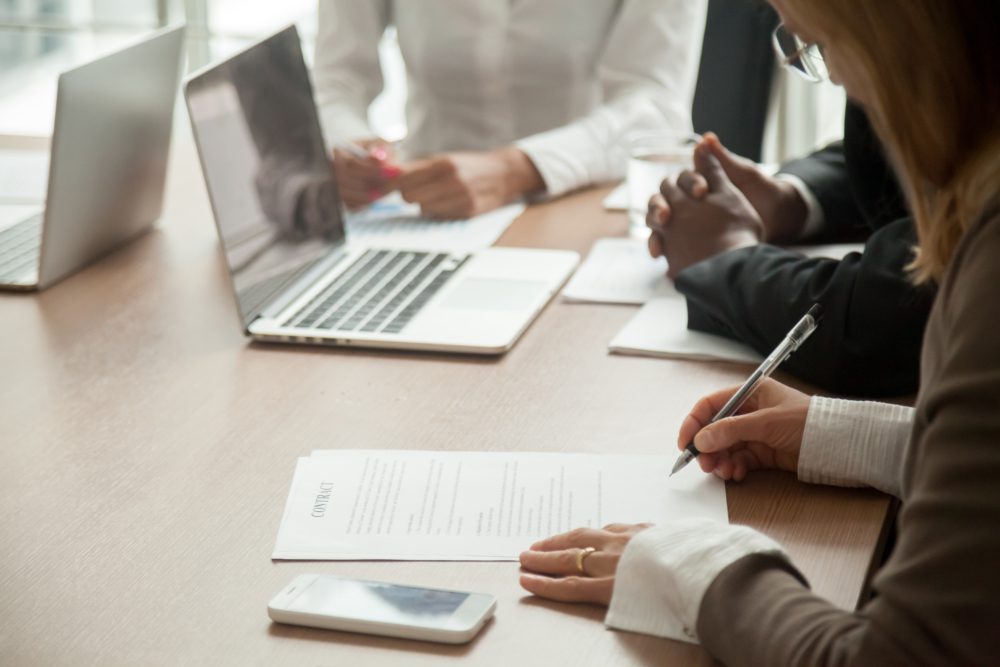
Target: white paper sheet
x=660, y=329
x=423, y=505
x=393, y=222
x=24, y=176
x=620, y=270
x=617, y=199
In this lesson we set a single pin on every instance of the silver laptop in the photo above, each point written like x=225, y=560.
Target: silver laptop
x=297, y=278
x=107, y=164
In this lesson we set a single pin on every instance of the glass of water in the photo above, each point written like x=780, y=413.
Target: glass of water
x=654, y=157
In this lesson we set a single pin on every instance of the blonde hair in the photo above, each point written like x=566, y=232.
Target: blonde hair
x=932, y=70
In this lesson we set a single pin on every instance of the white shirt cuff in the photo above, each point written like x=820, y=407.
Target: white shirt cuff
x=814, y=215
x=665, y=571
x=855, y=443
x=561, y=170
x=341, y=122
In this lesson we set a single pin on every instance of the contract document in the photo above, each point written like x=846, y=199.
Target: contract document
x=475, y=506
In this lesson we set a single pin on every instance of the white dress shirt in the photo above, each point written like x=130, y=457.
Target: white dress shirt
x=565, y=81
x=666, y=570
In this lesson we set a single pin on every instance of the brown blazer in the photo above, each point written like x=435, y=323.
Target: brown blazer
x=938, y=596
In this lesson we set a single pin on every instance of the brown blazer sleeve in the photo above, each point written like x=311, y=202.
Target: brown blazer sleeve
x=938, y=597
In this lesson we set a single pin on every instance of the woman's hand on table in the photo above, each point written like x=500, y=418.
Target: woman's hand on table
x=578, y=566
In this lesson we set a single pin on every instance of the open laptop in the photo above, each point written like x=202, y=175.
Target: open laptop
x=107, y=164
x=297, y=278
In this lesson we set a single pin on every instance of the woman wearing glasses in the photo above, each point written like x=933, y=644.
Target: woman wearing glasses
x=505, y=99
x=937, y=108
x=724, y=251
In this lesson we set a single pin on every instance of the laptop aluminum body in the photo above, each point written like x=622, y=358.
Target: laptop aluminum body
x=296, y=276
x=107, y=166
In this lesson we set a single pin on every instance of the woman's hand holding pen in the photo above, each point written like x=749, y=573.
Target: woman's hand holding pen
x=580, y=566
x=362, y=179
x=446, y=186
x=766, y=433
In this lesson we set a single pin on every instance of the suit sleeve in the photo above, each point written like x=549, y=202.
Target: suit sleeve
x=868, y=343
x=825, y=175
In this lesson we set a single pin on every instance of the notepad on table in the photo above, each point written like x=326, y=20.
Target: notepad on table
x=619, y=270
x=660, y=329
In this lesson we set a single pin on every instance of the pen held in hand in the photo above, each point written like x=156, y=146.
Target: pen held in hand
x=353, y=150
x=798, y=335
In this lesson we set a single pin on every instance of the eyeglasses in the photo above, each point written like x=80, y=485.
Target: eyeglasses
x=804, y=59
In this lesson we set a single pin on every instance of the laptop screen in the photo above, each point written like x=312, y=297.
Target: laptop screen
x=266, y=166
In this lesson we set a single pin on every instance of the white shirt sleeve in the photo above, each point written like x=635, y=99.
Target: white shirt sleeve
x=855, y=443
x=347, y=74
x=665, y=571
x=647, y=74
x=814, y=211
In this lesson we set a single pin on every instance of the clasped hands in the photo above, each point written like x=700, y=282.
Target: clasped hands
x=726, y=202
x=446, y=186
x=766, y=433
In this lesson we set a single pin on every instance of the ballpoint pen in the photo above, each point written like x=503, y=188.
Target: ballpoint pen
x=798, y=335
x=353, y=149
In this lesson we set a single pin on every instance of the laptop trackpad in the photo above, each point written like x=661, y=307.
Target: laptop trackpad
x=492, y=294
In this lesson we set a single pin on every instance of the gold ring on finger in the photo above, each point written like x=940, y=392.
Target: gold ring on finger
x=581, y=556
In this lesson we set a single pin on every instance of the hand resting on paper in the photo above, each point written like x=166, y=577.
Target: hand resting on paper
x=766, y=433
x=549, y=567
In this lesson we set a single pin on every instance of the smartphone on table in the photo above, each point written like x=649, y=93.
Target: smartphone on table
x=377, y=608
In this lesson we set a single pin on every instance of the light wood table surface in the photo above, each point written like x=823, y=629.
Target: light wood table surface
x=146, y=450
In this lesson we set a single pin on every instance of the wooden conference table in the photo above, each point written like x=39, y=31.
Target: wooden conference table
x=146, y=450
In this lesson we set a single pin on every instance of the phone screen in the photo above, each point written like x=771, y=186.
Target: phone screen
x=382, y=603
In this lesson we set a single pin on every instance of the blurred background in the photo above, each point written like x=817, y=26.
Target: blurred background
x=40, y=38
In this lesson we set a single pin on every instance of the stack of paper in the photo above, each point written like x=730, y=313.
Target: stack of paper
x=660, y=330
x=617, y=199
x=620, y=270
x=475, y=506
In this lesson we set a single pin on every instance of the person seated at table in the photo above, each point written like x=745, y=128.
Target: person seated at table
x=937, y=598
x=505, y=100
x=717, y=228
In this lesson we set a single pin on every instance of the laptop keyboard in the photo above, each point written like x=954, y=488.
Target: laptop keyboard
x=381, y=292
x=19, y=248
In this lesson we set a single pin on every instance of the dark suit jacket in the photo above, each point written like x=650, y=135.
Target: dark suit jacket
x=869, y=341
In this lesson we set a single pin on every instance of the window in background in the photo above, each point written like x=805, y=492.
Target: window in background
x=804, y=116
x=40, y=37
